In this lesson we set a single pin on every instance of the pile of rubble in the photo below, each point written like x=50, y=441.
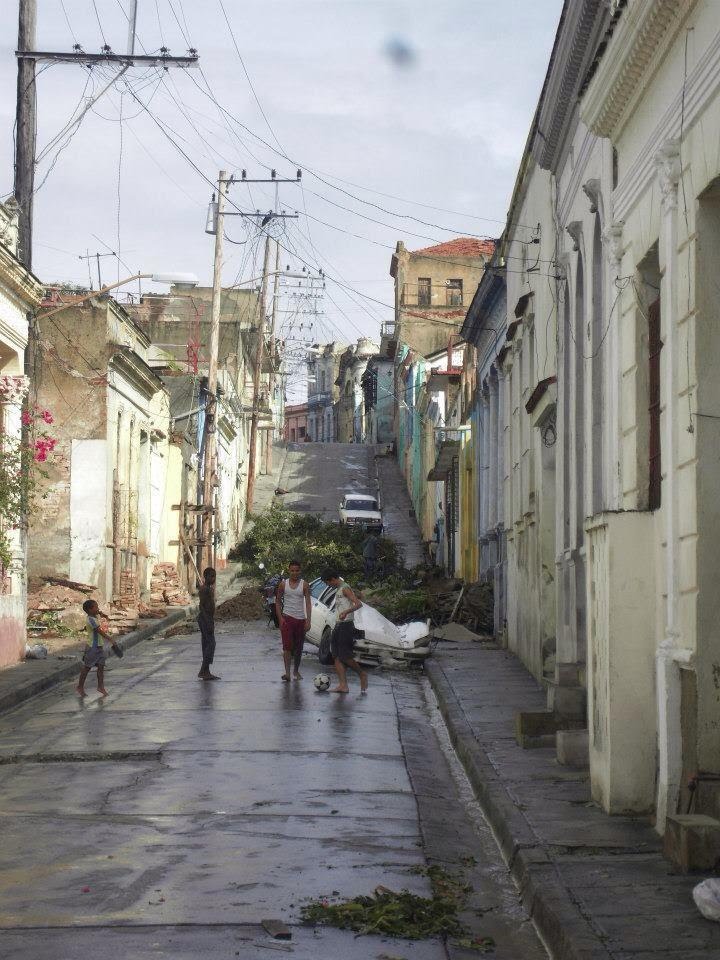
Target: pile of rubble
x=55, y=609
x=470, y=604
x=165, y=589
x=246, y=605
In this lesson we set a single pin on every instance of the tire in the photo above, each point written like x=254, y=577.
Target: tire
x=324, y=655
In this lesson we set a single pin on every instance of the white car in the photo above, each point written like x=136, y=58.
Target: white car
x=361, y=510
x=382, y=642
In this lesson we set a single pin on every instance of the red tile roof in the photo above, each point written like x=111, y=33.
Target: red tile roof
x=461, y=247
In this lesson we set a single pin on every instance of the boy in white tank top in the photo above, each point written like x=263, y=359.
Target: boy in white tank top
x=292, y=602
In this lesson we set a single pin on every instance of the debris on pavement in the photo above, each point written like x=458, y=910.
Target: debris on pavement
x=277, y=929
x=36, y=651
x=707, y=898
x=281, y=535
x=245, y=605
x=397, y=914
x=456, y=632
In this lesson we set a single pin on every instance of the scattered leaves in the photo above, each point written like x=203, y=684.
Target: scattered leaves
x=393, y=914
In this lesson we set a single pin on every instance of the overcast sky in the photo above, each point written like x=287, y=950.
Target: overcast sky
x=424, y=101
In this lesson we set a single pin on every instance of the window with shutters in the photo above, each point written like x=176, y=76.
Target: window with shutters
x=424, y=297
x=655, y=463
x=454, y=293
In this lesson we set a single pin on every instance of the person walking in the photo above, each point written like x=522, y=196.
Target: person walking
x=206, y=622
x=342, y=642
x=94, y=655
x=371, y=553
x=292, y=604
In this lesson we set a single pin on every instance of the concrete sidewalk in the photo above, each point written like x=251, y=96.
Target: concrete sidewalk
x=596, y=886
x=29, y=677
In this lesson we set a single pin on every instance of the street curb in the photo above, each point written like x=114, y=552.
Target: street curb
x=557, y=916
x=67, y=670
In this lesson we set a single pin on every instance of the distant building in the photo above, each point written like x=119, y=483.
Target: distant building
x=296, y=422
x=379, y=391
x=350, y=406
x=323, y=368
x=433, y=288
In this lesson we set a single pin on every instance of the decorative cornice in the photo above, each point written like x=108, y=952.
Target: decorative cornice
x=700, y=89
x=638, y=43
x=582, y=26
x=134, y=369
x=23, y=284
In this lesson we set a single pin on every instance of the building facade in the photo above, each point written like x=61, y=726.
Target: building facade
x=101, y=518
x=20, y=295
x=350, y=405
x=296, y=423
x=323, y=367
x=483, y=329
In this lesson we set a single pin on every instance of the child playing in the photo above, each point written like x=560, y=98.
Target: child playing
x=94, y=655
x=206, y=622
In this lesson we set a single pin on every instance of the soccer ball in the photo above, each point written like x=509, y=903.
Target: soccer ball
x=322, y=682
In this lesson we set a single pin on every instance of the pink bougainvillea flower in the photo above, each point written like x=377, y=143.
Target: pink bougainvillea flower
x=47, y=416
x=26, y=418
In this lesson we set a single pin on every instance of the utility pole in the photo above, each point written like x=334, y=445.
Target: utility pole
x=271, y=387
x=26, y=108
x=266, y=219
x=259, y=350
x=26, y=130
x=210, y=445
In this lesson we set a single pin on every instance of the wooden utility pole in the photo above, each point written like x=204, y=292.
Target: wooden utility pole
x=25, y=130
x=28, y=56
x=271, y=386
x=210, y=429
x=259, y=351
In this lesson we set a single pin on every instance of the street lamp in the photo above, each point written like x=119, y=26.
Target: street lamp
x=185, y=281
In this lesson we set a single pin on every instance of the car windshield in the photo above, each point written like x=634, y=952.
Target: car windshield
x=318, y=588
x=361, y=505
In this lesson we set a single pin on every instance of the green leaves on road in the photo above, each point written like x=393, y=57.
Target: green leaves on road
x=403, y=914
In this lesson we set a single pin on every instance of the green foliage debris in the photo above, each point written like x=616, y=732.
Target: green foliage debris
x=402, y=914
x=280, y=535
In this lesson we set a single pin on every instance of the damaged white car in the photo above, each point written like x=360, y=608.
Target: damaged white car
x=380, y=640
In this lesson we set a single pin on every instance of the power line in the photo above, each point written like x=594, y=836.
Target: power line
x=247, y=75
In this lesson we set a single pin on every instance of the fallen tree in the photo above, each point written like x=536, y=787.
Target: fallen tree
x=280, y=535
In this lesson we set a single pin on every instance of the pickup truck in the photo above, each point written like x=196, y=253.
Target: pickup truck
x=361, y=510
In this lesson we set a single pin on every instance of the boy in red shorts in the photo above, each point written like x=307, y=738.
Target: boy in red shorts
x=292, y=603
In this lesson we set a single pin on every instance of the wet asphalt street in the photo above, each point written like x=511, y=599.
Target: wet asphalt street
x=171, y=818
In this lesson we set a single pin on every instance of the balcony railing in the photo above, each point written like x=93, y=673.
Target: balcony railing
x=321, y=399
